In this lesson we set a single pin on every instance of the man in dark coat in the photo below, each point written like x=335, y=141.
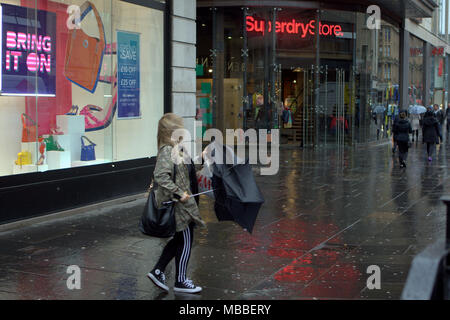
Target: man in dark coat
x=440, y=116
x=402, y=128
x=430, y=133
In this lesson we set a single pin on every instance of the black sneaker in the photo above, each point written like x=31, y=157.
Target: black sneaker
x=158, y=278
x=187, y=286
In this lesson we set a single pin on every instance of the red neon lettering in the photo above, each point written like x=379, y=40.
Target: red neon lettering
x=304, y=29
x=290, y=27
x=261, y=26
x=294, y=27
x=311, y=27
x=250, y=25
x=338, y=31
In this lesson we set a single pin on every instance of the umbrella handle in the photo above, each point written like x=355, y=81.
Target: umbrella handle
x=194, y=195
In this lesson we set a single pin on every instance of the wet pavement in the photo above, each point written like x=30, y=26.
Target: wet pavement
x=328, y=216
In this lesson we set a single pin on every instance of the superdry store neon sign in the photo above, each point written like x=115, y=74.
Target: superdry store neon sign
x=294, y=27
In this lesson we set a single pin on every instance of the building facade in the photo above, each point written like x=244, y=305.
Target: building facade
x=83, y=85
x=324, y=71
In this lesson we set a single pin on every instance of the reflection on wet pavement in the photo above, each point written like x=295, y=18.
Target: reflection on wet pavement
x=327, y=217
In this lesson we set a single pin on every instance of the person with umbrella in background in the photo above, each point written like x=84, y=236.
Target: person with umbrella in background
x=187, y=214
x=402, y=129
x=415, y=113
x=415, y=125
x=430, y=133
x=378, y=112
x=394, y=133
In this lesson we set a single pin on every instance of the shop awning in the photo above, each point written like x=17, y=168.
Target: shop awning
x=399, y=8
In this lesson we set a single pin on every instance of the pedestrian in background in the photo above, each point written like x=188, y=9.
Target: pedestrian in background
x=430, y=133
x=394, y=133
x=415, y=125
x=187, y=214
x=402, y=128
x=379, y=121
x=440, y=116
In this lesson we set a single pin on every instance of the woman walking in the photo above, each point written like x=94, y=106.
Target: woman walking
x=187, y=214
x=415, y=125
x=402, y=129
x=430, y=133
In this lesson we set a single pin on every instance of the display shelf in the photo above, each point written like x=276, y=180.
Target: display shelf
x=71, y=143
x=33, y=148
x=29, y=168
x=71, y=124
x=58, y=159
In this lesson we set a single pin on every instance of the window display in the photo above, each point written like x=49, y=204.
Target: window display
x=82, y=83
x=416, y=67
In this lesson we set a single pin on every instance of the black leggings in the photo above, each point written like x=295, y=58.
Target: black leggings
x=180, y=248
x=402, y=150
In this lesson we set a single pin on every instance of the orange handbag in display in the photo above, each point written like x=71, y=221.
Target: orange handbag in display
x=84, y=54
x=28, y=132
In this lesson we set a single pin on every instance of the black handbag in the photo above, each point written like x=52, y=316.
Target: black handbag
x=158, y=222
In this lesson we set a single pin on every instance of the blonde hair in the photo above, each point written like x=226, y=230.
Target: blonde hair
x=166, y=126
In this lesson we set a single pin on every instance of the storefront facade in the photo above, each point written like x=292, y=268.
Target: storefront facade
x=328, y=85
x=83, y=85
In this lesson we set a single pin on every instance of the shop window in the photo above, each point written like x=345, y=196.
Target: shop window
x=82, y=83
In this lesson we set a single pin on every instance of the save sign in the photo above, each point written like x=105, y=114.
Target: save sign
x=128, y=75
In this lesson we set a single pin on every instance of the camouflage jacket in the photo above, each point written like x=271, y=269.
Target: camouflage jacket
x=187, y=212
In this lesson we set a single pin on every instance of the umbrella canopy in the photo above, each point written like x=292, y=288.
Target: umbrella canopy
x=379, y=109
x=417, y=109
x=238, y=198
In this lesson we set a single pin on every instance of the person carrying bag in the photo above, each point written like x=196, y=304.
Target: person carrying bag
x=178, y=180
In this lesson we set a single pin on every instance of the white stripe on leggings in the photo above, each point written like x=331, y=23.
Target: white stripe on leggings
x=184, y=255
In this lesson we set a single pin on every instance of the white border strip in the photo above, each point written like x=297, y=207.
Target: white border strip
x=28, y=95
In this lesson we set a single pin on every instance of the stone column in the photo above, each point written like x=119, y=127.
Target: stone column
x=184, y=38
x=427, y=71
x=404, y=68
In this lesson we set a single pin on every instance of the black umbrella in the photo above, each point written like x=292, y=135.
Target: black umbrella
x=238, y=198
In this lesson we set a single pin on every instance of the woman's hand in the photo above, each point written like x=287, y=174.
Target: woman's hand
x=185, y=197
